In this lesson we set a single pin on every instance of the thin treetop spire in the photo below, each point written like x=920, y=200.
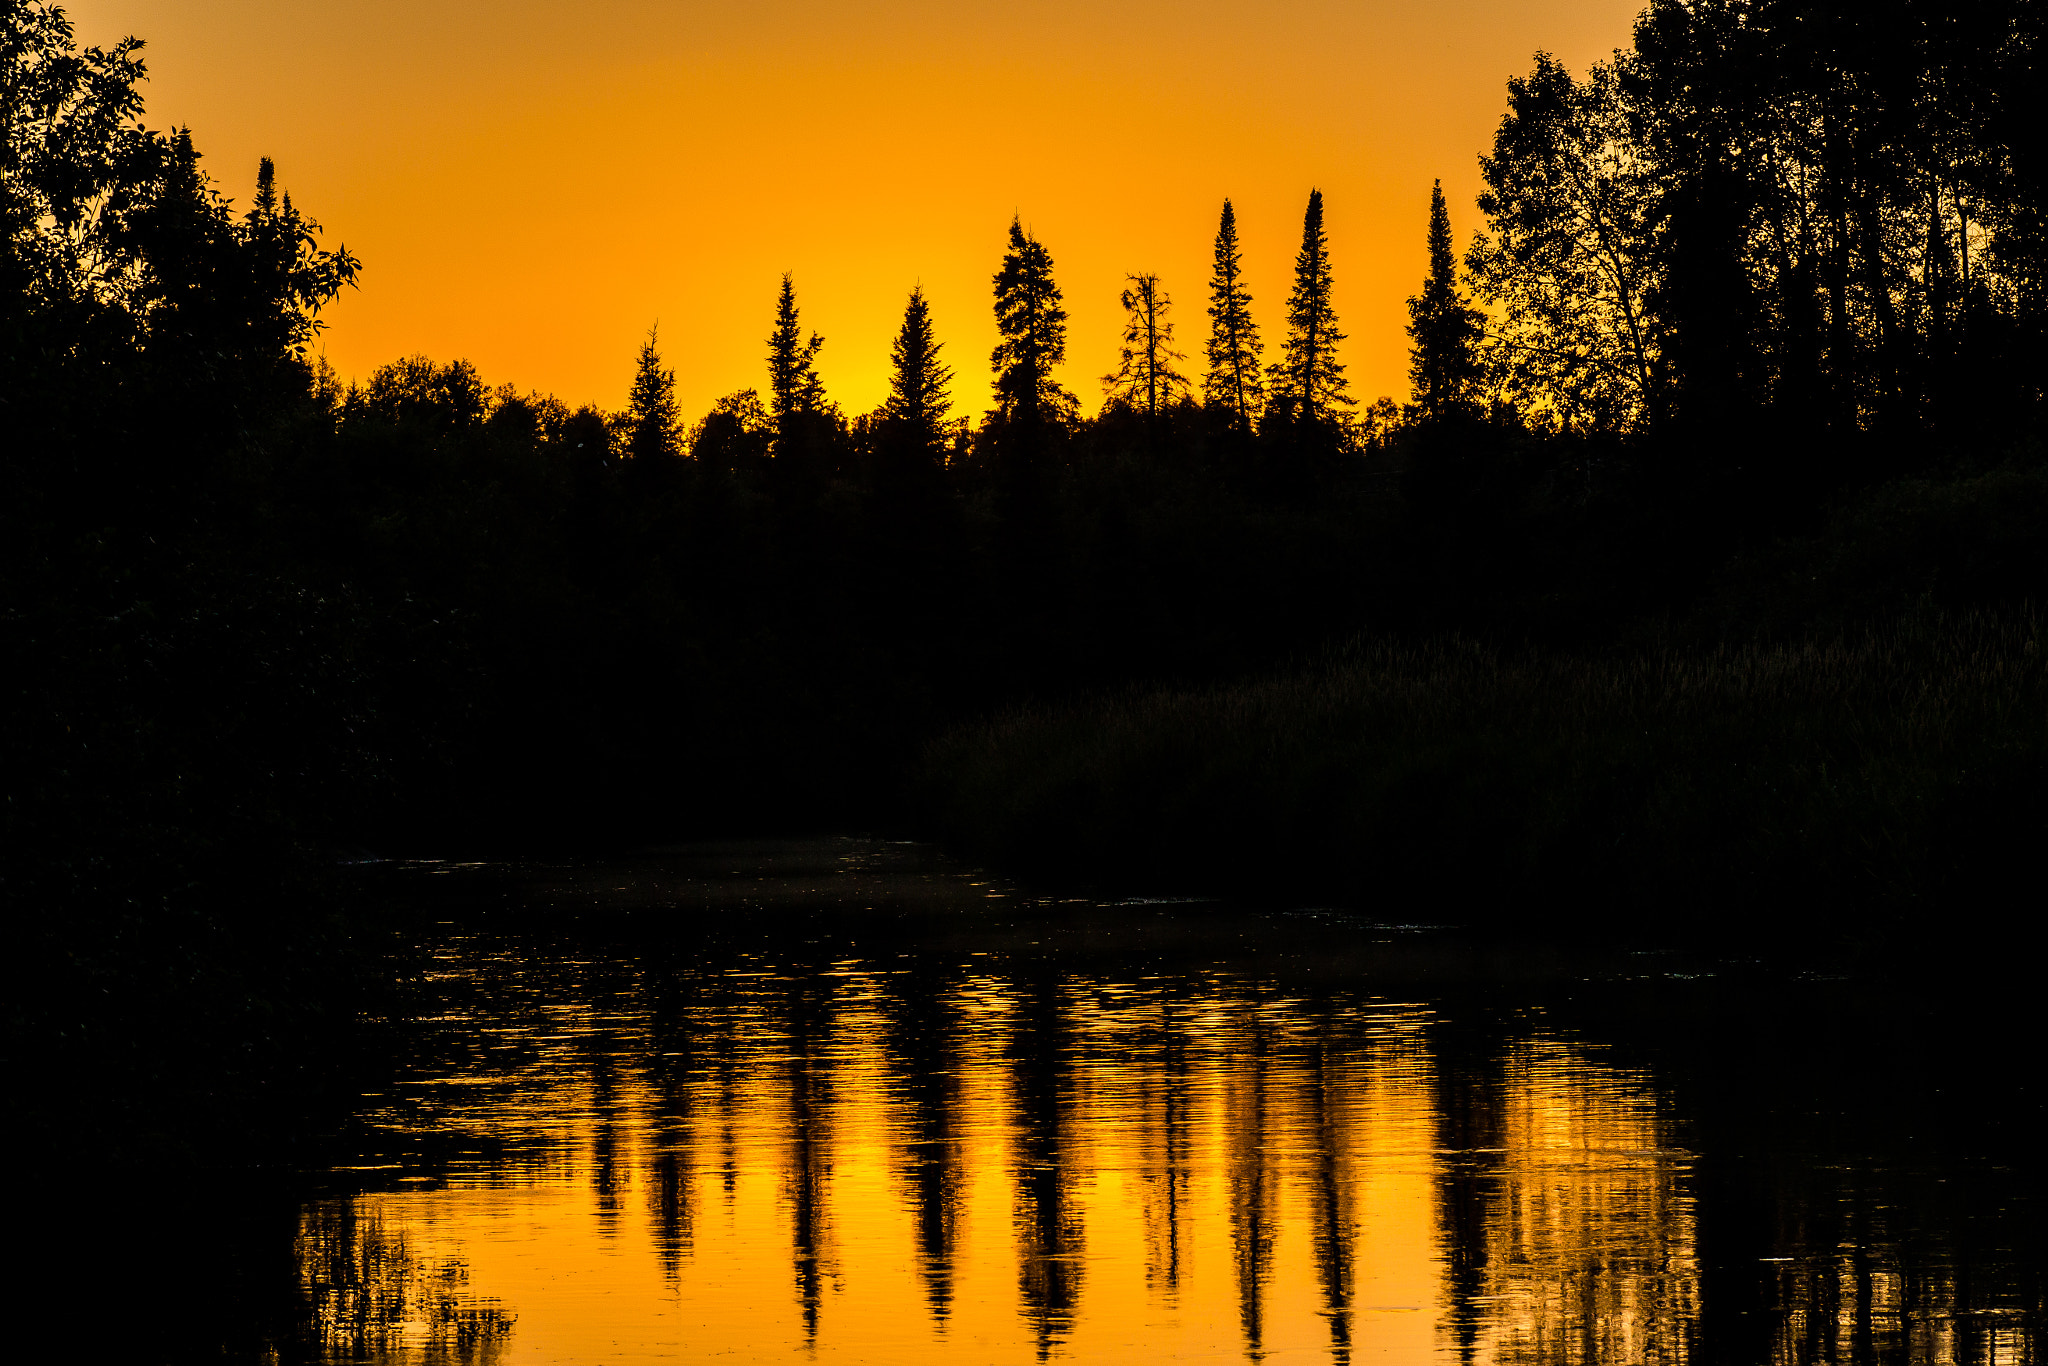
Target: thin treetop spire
x=1308, y=381
x=1234, y=383
x=1445, y=362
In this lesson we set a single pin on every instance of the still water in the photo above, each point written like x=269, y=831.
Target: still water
x=836, y=1102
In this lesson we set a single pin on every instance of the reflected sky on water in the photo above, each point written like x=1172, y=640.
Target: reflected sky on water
x=867, y=1144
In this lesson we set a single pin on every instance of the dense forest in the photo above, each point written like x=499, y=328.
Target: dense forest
x=1724, y=439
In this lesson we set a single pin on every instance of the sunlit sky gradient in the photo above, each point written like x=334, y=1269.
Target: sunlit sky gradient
x=531, y=185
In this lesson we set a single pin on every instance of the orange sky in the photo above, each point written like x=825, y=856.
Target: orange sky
x=531, y=185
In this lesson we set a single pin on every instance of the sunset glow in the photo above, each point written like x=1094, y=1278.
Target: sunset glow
x=532, y=186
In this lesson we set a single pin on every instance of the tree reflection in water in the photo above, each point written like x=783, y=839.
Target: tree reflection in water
x=866, y=1162
x=1585, y=1236
x=372, y=1297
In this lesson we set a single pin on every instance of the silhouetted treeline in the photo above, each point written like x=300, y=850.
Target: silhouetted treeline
x=1751, y=339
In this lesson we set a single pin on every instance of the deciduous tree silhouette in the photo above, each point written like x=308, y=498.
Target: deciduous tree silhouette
x=221, y=301
x=735, y=434
x=1696, y=79
x=1309, y=390
x=1444, y=364
x=1145, y=377
x=292, y=277
x=1568, y=255
x=1234, y=384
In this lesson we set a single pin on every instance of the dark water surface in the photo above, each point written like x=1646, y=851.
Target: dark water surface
x=837, y=1102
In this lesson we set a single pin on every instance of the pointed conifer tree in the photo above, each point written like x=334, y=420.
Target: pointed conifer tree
x=651, y=417
x=1146, y=378
x=289, y=279
x=918, y=403
x=1032, y=319
x=265, y=204
x=1308, y=381
x=1234, y=383
x=794, y=390
x=273, y=238
x=1444, y=364
x=187, y=243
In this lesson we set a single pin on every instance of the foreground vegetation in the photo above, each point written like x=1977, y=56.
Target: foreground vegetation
x=1838, y=787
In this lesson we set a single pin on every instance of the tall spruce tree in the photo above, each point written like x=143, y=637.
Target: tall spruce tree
x=1308, y=381
x=1234, y=383
x=1146, y=379
x=1033, y=322
x=652, y=423
x=1446, y=330
x=918, y=404
x=794, y=389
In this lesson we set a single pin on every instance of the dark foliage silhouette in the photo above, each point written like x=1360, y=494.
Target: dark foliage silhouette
x=1760, y=309
x=1145, y=378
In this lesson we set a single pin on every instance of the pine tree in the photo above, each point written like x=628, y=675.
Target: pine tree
x=1308, y=382
x=1446, y=330
x=651, y=418
x=918, y=403
x=1033, y=323
x=1234, y=383
x=265, y=204
x=1146, y=379
x=794, y=389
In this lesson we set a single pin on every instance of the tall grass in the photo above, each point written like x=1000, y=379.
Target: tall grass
x=1860, y=775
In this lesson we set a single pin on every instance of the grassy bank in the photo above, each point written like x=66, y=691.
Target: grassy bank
x=1853, y=778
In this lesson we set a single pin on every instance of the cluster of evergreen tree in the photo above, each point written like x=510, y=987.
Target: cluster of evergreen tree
x=1299, y=404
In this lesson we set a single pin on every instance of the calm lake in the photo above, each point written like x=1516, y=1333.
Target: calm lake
x=838, y=1101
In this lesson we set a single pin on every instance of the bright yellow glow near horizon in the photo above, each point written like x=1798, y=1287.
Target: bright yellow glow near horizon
x=532, y=186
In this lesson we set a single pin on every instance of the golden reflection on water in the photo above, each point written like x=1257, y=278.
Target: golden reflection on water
x=1587, y=1232
x=868, y=1165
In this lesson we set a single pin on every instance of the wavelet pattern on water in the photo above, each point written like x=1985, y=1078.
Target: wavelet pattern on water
x=862, y=1162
